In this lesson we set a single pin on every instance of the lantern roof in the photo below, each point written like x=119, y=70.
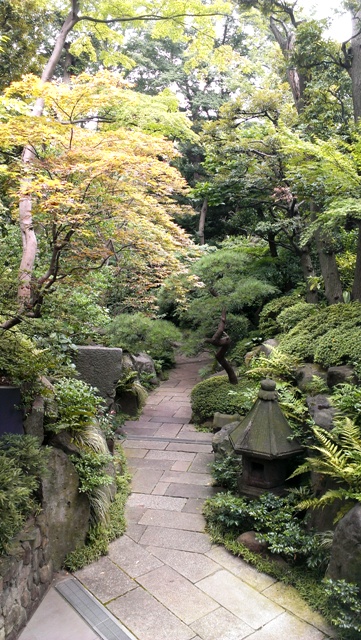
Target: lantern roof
x=265, y=432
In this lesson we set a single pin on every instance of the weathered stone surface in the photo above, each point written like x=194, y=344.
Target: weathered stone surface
x=249, y=540
x=339, y=375
x=345, y=562
x=305, y=374
x=143, y=363
x=321, y=411
x=220, y=420
x=66, y=510
x=268, y=345
x=34, y=423
x=221, y=444
x=101, y=367
x=64, y=442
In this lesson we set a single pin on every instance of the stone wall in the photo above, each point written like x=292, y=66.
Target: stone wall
x=40, y=548
x=25, y=575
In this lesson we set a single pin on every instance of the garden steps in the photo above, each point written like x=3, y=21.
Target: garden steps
x=164, y=579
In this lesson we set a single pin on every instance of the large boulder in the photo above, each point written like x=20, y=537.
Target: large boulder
x=268, y=345
x=220, y=420
x=345, y=562
x=101, y=367
x=306, y=373
x=66, y=510
x=34, y=422
x=221, y=443
x=143, y=363
x=339, y=375
x=321, y=411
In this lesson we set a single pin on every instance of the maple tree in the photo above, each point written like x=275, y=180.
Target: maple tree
x=98, y=188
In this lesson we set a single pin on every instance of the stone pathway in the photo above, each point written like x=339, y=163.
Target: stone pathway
x=163, y=579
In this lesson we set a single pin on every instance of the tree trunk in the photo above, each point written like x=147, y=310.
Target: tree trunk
x=356, y=288
x=354, y=66
x=25, y=215
x=202, y=220
x=308, y=272
x=223, y=341
x=329, y=269
x=271, y=239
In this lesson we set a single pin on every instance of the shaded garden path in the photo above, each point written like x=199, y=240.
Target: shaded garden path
x=164, y=580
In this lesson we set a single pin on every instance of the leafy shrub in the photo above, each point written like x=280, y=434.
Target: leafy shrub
x=268, y=324
x=277, y=365
x=288, y=318
x=273, y=517
x=94, y=481
x=22, y=461
x=329, y=337
x=77, y=406
x=338, y=455
x=136, y=333
x=344, y=600
x=339, y=346
x=22, y=363
x=347, y=399
x=217, y=394
x=226, y=471
x=101, y=534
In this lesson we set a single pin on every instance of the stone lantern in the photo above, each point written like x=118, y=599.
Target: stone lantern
x=263, y=440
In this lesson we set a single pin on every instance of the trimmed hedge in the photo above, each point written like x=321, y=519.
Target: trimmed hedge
x=217, y=394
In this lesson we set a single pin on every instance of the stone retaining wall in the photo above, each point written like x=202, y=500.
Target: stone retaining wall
x=25, y=575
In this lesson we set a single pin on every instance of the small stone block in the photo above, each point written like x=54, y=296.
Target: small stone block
x=221, y=625
x=104, y=580
x=174, y=520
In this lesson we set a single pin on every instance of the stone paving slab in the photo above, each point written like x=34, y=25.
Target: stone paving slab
x=178, y=477
x=175, y=539
x=194, y=448
x=177, y=593
x=290, y=599
x=144, y=480
x=240, y=568
x=144, y=444
x=201, y=463
x=240, y=599
x=147, y=618
x=190, y=491
x=148, y=463
x=174, y=454
x=221, y=625
x=133, y=559
x=104, y=580
x=191, y=565
x=173, y=519
x=287, y=627
x=156, y=502
x=168, y=430
x=193, y=505
x=160, y=488
x=181, y=465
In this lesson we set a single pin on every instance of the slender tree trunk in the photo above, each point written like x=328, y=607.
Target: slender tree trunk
x=308, y=272
x=271, y=239
x=356, y=287
x=25, y=214
x=353, y=64
x=202, y=220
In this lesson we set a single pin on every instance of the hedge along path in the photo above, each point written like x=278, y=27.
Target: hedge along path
x=164, y=579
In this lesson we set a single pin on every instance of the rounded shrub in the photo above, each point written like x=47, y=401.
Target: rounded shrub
x=268, y=318
x=136, y=333
x=329, y=337
x=288, y=318
x=217, y=394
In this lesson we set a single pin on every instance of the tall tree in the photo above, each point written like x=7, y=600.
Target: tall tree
x=108, y=18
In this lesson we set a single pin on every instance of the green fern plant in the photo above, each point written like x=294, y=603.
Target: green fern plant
x=339, y=457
